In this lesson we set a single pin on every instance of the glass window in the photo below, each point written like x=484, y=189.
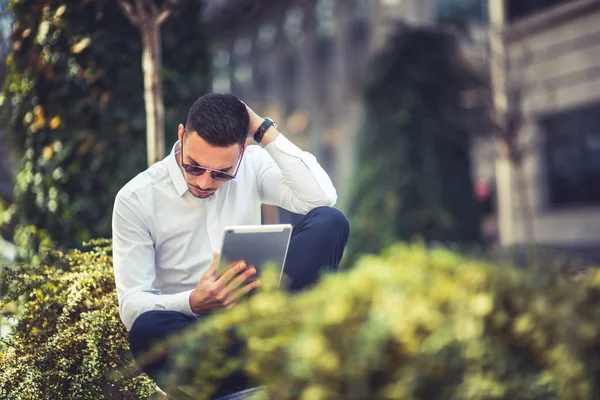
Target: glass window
x=361, y=10
x=266, y=36
x=292, y=26
x=573, y=155
x=221, y=80
x=242, y=66
x=324, y=13
x=522, y=8
x=242, y=47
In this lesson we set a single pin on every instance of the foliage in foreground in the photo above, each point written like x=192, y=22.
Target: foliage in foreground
x=410, y=324
x=69, y=342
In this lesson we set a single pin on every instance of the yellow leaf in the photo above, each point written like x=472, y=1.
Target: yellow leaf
x=48, y=152
x=60, y=11
x=81, y=45
x=55, y=122
x=39, y=118
x=314, y=392
x=482, y=304
x=38, y=110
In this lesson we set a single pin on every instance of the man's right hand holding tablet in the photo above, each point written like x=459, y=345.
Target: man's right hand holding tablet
x=222, y=292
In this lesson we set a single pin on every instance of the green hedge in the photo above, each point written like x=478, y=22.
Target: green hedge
x=72, y=106
x=413, y=323
x=69, y=342
x=410, y=324
x=413, y=177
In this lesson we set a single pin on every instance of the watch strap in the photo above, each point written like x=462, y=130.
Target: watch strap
x=260, y=132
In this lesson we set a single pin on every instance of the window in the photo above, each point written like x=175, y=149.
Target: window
x=522, y=8
x=267, y=33
x=573, y=155
x=293, y=24
x=221, y=80
x=242, y=65
x=325, y=16
x=462, y=13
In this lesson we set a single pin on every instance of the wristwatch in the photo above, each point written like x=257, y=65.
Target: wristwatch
x=260, y=132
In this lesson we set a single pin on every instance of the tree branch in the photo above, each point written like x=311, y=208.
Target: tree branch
x=125, y=5
x=140, y=7
x=153, y=9
x=163, y=16
x=166, y=11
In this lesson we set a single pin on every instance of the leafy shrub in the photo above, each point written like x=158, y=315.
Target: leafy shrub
x=73, y=107
x=69, y=342
x=414, y=174
x=410, y=324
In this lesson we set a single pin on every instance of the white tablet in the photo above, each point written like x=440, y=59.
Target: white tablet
x=256, y=244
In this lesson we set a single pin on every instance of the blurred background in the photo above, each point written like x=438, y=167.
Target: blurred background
x=465, y=122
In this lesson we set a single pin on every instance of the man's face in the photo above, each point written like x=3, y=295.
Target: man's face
x=197, y=152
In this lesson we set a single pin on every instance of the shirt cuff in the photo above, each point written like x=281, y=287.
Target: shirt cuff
x=282, y=143
x=180, y=302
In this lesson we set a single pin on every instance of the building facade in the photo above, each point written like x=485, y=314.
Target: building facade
x=545, y=65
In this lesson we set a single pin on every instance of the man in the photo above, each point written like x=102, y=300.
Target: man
x=168, y=221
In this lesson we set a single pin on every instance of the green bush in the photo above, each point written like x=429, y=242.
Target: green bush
x=410, y=324
x=69, y=342
x=414, y=175
x=73, y=108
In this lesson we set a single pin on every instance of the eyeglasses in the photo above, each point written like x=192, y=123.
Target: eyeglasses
x=219, y=176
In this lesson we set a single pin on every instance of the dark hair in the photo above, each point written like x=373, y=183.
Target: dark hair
x=220, y=119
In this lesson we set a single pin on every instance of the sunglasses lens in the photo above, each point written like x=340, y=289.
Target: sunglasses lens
x=194, y=171
x=220, y=176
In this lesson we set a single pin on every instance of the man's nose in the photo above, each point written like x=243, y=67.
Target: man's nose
x=204, y=181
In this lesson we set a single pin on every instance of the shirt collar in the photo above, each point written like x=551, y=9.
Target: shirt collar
x=175, y=171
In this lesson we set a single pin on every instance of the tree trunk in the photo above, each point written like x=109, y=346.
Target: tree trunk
x=153, y=94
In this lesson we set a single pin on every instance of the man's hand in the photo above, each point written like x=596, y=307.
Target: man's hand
x=255, y=122
x=223, y=292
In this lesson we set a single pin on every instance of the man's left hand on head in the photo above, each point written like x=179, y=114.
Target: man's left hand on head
x=255, y=121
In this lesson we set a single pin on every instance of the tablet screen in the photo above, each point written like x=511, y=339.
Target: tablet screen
x=257, y=245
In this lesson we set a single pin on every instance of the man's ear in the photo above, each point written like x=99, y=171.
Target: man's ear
x=180, y=133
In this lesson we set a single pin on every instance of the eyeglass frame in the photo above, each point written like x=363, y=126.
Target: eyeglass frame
x=202, y=170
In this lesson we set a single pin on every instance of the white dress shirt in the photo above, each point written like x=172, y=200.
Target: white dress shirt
x=164, y=237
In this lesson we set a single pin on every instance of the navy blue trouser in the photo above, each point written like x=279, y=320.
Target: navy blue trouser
x=316, y=246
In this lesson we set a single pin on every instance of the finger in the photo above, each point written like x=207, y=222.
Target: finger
x=242, y=291
x=228, y=275
x=211, y=272
x=214, y=263
x=239, y=280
